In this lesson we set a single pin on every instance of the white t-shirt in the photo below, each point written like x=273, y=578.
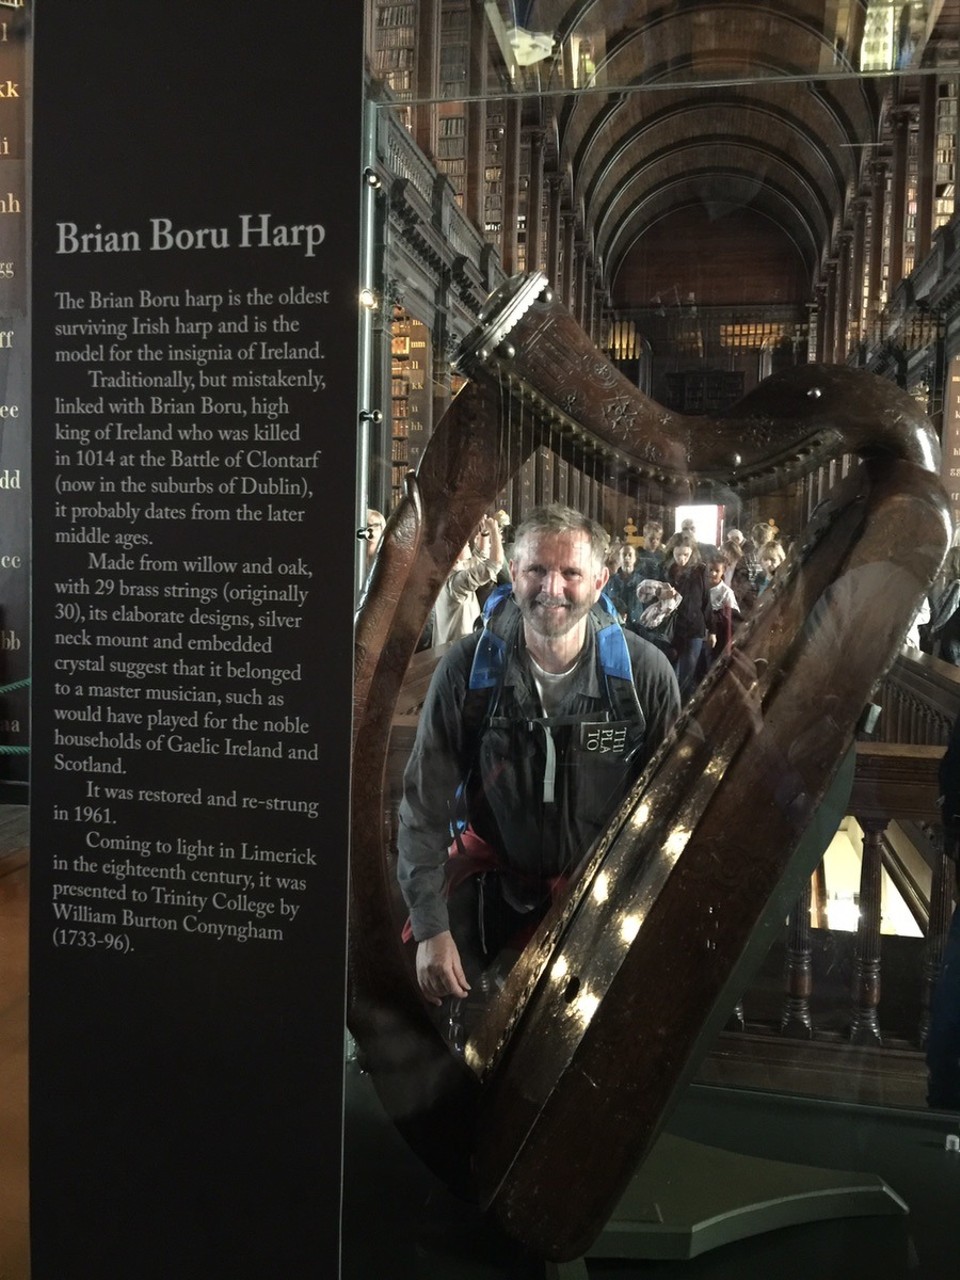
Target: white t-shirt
x=551, y=686
x=721, y=595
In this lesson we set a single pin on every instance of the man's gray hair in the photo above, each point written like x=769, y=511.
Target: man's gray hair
x=557, y=518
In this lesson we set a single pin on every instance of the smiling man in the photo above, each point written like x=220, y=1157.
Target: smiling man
x=531, y=733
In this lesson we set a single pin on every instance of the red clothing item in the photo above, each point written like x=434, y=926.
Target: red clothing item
x=469, y=855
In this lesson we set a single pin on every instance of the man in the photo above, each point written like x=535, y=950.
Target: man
x=650, y=558
x=706, y=549
x=531, y=733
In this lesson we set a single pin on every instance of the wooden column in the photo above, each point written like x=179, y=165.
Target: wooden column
x=938, y=925
x=842, y=310
x=511, y=187
x=580, y=281
x=878, y=174
x=427, y=76
x=473, y=190
x=795, y=1020
x=821, y=292
x=857, y=266
x=830, y=312
x=589, y=298
x=566, y=265
x=552, y=264
x=599, y=302
x=534, y=255
x=898, y=198
x=926, y=166
x=865, y=1026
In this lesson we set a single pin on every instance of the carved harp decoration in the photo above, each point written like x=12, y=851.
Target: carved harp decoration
x=564, y=1088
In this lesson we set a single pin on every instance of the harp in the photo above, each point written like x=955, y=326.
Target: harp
x=581, y=1055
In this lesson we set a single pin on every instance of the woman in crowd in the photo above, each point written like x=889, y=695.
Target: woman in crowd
x=687, y=578
x=772, y=557
x=760, y=535
x=737, y=577
x=724, y=608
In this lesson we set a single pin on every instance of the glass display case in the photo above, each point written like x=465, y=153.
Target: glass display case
x=679, y=255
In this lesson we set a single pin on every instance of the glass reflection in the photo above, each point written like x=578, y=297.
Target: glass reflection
x=716, y=195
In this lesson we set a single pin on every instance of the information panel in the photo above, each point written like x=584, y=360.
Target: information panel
x=14, y=408
x=196, y=247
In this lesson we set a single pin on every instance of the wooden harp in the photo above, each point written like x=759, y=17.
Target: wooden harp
x=564, y=1088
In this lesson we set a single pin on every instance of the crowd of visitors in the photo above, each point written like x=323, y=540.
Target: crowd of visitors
x=686, y=596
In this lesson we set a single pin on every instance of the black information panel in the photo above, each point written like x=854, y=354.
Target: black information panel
x=14, y=407
x=196, y=247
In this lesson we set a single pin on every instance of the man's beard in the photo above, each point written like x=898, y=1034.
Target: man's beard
x=551, y=616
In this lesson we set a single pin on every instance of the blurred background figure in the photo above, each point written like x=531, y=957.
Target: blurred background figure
x=760, y=535
x=650, y=556
x=737, y=576
x=457, y=610
x=612, y=563
x=687, y=578
x=772, y=557
x=724, y=608
x=372, y=534
x=706, y=549
x=622, y=587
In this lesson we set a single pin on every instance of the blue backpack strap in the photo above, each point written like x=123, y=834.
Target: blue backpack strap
x=489, y=658
x=606, y=603
x=495, y=599
x=613, y=652
x=483, y=688
x=615, y=665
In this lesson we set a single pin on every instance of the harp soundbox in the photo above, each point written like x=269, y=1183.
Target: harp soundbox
x=565, y=1085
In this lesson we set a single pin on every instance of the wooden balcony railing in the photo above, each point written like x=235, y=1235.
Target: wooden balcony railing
x=895, y=782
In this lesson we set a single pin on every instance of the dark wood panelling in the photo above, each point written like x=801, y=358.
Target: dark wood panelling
x=738, y=258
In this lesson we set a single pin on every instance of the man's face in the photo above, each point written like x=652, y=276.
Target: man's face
x=652, y=538
x=556, y=581
x=769, y=564
x=714, y=574
x=681, y=554
x=628, y=559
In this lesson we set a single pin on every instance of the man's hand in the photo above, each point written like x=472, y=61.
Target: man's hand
x=439, y=971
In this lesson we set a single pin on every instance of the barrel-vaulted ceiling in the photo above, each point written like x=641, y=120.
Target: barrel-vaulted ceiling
x=663, y=106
